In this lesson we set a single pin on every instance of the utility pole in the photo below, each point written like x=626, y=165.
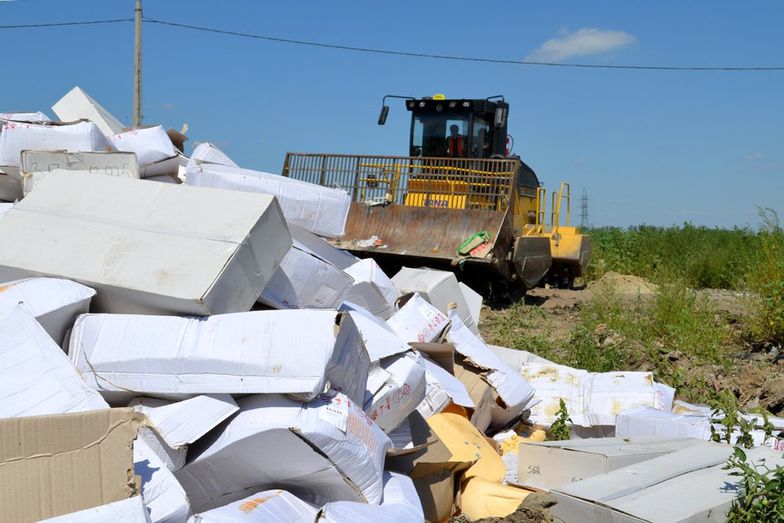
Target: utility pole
x=584, y=209
x=137, y=67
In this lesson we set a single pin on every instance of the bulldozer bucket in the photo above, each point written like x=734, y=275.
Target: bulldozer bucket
x=412, y=210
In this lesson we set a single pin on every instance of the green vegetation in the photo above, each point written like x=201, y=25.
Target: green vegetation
x=560, y=429
x=761, y=490
x=726, y=415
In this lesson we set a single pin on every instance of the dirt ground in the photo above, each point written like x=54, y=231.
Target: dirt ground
x=755, y=376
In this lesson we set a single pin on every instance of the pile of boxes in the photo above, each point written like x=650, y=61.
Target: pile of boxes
x=182, y=343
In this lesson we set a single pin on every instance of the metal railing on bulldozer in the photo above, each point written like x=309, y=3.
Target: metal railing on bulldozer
x=456, y=183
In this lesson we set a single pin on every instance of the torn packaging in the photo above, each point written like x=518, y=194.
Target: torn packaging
x=433, y=468
x=367, y=270
x=400, y=505
x=55, y=465
x=321, y=249
x=267, y=506
x=54, y=302
x=241, y=353
x=37, y=377
x=153, y=148
x=322, y=451
x=440, y=288
x=139, y=247
x=131, y=510
x=207, y=152
x=481, y=393
x=395, y=386
x=514, y=391
x=303, y=281
x=321, y=210
x=418, y=321
x=686, y=485
x=161, y=492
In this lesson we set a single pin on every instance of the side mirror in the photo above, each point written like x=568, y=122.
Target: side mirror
x=500, y=117
x=382, y=118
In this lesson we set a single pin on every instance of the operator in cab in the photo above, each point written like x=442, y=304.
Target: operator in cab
x=454, y=142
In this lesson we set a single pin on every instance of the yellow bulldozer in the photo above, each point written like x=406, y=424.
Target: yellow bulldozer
x=460, y=200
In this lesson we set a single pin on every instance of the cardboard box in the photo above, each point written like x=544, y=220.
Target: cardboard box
x=480, y=391
x=4, y=208
x=515, y=393
x=435, y=471
x=685, y=485
x=367, y=270
x=140, y=246
x=207, y=152
x=442, y=388
x=36, y=165
x=181, y=423
x=293, y=352
x=418, y=321
x=480, y=499
x=36, y=377
x=303, y=281
x=129, y=510
x=440, y=288
x=55, y=465
x=516, y=358
x=261, y=507
x=379, y=338
x=72, y=137
x=11, y=188
x=473, y=300
x=54, y=302
x=400, y=504
x=153, y=148
x=395, y=386
x=322, y=451
x=321, y=210
x=551, y=464
x=321, y=249
x=36, y=116
x=77, y=105
x=162, y=494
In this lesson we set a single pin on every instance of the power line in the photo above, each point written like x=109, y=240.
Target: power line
x=453, y=57
x=63, y=24
x=410, y=54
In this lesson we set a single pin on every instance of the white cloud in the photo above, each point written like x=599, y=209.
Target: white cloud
x=753, y=156
x=583, y=42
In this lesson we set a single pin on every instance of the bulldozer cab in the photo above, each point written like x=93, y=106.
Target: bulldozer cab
x=457, y=128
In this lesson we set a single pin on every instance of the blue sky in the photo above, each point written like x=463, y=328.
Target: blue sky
x=650, y=147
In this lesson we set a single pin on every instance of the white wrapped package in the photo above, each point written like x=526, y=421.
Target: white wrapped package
x=138, y=244
x=54, y=302
x=210, y=153
x=36, y=378
x=181, y=423
x=441, y=389
x=515, y=392
x=277, y=506
x=303, y=281
x=131, y=510
x=151, y=145
x=77, y=105
x=36, y=116
x=400, y=505
x=395, y=386
x=322, y=451
x=592, y=399
x=18, y=137
x=321, y=249
x=295, y=352
x=321, y=210
x=418, y=321
x=162, y=494
x=367, y=270
x=440, y=288
x=379, y=338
